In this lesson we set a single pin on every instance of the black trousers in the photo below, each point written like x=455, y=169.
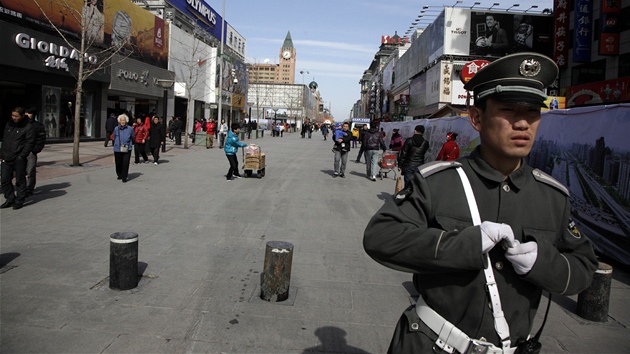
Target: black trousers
x=178, y=137
x=140, y=149
x=122, y=164
x=233, y=171
x=6, y=177
x=156, y=153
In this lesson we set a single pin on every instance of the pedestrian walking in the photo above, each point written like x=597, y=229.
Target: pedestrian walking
x=341, y=149
x=178, y=125
x=123, y=145
x=450, y=149
x=396, y=142
x=355, y=136
x=156, y=138
x=141, y=134
x=364, y=128
x=211, y=129
x=412, y=154
x=223, y=130
x=231, y=148
x=39, y=132
x=372, y=143
x=110, y=124
x=17, y=144
x=324, y=130
x=484, y=235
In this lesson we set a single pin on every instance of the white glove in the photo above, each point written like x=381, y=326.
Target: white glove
x=493, y=233
x=522, y=256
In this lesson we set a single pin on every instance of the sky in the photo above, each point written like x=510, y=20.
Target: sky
x=335, y=41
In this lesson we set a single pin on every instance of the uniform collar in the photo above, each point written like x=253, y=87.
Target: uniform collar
x=481, y=167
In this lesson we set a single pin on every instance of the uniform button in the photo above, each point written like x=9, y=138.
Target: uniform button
x=498, y=265
x=414, y=326
x=506, y=188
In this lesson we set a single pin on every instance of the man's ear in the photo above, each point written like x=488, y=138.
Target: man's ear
x=474, y=114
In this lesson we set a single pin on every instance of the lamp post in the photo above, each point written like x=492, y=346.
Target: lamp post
x=493, y=5
x=235, y=81
x=515, y=5
x=165, y=84
x=532, y=7
x=475, y=4
x=302, y=72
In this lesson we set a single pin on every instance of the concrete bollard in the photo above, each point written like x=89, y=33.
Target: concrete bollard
x=123, y=260
x=276, y=276
x=593, y=302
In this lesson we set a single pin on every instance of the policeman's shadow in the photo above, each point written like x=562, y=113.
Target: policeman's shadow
x=132, y=176
x=48, y=191
x=6, y=258
x=332, y=341
x=384, y=195
x=328, y=172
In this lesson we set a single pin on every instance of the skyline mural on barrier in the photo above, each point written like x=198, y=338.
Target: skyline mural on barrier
x=586, y=149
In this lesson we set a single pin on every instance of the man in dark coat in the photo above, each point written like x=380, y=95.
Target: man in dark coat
x=39, y=133
x=486, y=234
x=110, y=124
x=177, y=130
x=412, y=154
x=18, y=142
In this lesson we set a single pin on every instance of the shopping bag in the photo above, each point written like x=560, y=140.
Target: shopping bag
x=399, y=184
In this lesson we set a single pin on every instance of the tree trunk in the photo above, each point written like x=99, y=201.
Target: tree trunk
x=77, y=103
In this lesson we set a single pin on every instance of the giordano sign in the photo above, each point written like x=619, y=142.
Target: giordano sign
x=58, y=54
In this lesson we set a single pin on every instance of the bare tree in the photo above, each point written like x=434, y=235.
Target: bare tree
x=91, y=58
x=192, y=54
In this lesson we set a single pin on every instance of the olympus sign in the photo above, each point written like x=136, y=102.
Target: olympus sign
x=58, y=53
x=201, y=7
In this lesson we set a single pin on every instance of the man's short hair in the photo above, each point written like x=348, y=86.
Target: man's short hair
x=235, y=126
x=419, y=129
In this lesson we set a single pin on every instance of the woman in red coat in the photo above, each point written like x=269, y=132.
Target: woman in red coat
x=450, y=149
x=141, y=133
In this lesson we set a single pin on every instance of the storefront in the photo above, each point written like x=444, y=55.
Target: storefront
x=38, y=70
x=135, y=89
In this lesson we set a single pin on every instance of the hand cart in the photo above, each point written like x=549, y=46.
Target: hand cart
x=388, y=163
x=253, y=160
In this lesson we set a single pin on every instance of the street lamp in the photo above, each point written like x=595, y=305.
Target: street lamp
x=165, y=84
x=515, y=5
x=493, y=5
x=532, y=7
x=456, y=3
x=475, y=4
x=302, y=72
x=235, y=80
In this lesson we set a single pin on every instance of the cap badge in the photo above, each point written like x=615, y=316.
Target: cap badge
x=529, y=67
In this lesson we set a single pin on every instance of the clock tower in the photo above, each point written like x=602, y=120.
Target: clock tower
x=286, y=72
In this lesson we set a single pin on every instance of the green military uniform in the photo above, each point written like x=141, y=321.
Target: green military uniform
x=429, y=233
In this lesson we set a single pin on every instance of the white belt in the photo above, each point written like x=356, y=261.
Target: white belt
x=451, y=338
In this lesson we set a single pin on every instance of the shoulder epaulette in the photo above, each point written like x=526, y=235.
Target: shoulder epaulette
x=540, y=176
x=430, y=168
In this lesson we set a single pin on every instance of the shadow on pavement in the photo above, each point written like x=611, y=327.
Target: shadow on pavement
x=333, y=341
x=384, y=195
x=6, y=258
x=134, y=175
x=48, y=191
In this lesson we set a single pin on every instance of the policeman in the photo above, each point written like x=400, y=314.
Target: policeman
x=522, y=238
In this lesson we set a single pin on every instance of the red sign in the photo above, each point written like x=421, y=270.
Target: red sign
x=394, y=40
x=471, y=68
x=602, y=92
x=609, y=33
x=158, y=33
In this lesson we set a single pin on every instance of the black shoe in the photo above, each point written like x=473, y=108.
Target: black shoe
x=119, y=178
x=6, y=204
x=342, y=175
x=124, y=180
x=17, y=206
x=29, y=193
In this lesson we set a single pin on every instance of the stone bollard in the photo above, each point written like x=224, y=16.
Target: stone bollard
x=123, y=260
x=593, y=302
x=276, y=276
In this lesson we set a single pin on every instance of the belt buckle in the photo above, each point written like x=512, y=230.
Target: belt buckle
x=478, y=347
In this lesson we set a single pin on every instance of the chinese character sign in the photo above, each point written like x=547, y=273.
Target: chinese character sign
x=561, y=35
x=583, y=34
x=609, y=34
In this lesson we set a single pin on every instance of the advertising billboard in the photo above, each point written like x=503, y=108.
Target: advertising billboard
x=497, y=34
x=111, y=22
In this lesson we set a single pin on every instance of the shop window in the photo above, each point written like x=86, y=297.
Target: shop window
x=624, y=65
x=588, y=73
